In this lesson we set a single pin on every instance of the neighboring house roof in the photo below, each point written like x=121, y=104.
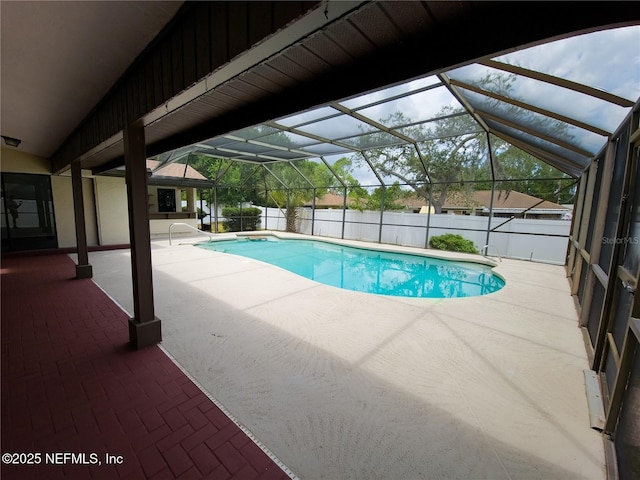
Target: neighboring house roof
x=481, y=200
x=462, y=200
x=330, y=200
x=503, y=201
x=176, y=170
x=412, y=202
x=513, y=200
x=170, y=174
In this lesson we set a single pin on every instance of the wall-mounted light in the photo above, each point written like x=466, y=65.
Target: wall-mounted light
x=10, y=141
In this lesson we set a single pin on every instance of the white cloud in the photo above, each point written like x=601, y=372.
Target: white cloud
x=608, y=60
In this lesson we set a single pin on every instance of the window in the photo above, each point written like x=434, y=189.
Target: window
x=166, y=200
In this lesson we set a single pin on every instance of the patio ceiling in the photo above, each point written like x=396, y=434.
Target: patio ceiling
x=60, y=58
x=559, y=102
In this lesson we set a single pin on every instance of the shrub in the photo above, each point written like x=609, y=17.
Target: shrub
x=452, y=243
x=241, y=220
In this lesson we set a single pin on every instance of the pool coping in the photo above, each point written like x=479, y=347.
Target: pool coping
x=456, y=257
x=431, y=253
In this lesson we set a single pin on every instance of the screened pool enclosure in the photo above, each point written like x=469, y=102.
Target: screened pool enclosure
x=460, y=141
x=358, y=120
x=558, y=122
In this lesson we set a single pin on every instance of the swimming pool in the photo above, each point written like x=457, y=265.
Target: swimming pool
x=364, y=270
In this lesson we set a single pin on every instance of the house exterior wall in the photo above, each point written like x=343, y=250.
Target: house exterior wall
x=161, y=226
x=62, y=192
x=112, y=210
x=15, y=161
x=105, y=203
x=160, y=222
x=153, y=198
x=191, y=200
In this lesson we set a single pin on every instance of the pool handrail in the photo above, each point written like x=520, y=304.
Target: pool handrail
x=191, y=227
x=485, y=251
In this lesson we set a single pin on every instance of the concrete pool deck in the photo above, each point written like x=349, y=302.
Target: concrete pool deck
x=340, y=384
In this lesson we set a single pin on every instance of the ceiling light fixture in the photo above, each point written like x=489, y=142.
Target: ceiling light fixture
x=10, y=141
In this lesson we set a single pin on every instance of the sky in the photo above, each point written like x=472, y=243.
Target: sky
x=607, y=60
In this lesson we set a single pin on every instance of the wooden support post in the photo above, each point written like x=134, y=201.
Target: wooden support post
x=144, y=327
x=83, y=268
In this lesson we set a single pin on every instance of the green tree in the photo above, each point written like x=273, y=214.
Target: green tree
x=236, y=181
x=529, y=175
x=517, y=170
x=392, y=194
x=445, y=160
x=453, y=150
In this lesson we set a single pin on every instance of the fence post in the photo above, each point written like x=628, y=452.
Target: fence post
x=344, y=211
x=313, y=211
x=215, y=208
x=493, y=189
x=426, y=240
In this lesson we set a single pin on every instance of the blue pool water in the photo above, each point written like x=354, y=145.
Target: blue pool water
x=364, y=270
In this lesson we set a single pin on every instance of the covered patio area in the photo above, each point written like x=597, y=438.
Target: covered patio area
x=79, y=403
x=340, y=384
x=334, y=383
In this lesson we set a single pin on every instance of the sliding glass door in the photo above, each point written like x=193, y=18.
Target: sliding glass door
x=26, y=212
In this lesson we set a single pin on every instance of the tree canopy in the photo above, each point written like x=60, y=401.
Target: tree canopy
x=249, y=182
x=452, y=152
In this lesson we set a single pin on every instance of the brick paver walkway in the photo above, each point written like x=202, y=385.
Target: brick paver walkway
x=71, y=385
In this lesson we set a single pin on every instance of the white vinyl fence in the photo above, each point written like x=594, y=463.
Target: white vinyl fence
x=527, y=239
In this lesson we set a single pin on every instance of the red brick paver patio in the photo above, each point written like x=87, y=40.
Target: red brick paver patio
x=73, y=391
